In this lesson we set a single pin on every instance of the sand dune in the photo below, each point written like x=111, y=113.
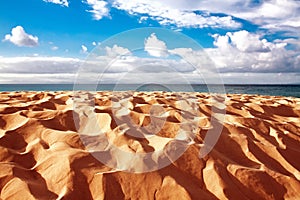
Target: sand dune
x=42, y=155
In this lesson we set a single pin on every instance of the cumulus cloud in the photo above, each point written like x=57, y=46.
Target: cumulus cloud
x=99, y=8
x=20, y=38
x=84, y=49
x=166, y=14
x=128, y=69
x=241, y=57
x=293, y=43
x=132, y=69
x=116, y=51
x=155, y=47
x=247, y=52
x=197, y=58
x=118, y=59
x=243, y=41
x=60, y=2
x=142, y=19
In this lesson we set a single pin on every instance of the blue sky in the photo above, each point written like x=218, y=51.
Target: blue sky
x=248, y=41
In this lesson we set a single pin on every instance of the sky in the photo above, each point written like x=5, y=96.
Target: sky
x=243, y=41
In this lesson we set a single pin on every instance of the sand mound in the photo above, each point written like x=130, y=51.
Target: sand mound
x=43, y=157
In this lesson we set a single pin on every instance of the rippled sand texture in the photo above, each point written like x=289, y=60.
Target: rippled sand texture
x=256, y=157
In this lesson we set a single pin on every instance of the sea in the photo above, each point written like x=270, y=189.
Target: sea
x=272, y=90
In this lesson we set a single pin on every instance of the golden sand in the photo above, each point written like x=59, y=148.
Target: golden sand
x=256, y=157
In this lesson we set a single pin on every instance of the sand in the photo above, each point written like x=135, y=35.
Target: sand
x=42, y=155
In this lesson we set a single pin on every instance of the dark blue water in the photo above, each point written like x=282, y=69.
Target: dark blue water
x=273, y=90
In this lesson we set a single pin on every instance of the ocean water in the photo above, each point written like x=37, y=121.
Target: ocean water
x=273, y=90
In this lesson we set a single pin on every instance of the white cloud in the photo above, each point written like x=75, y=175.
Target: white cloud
x=118, y=59
x=54, y=48
x=18, y=78
x=272, y=14
x=38, y=69
x=292, y=42
x=197, y=58
x=60, y=2
x=166, y=14
x=149, y=65
x=247, y=52
x=238, y=56
x=142, y=19
x=243, y=41
x=99, y=8
x=155, y=47
x=84, y=49
x=96, y=43
x=128, y=69
x=39, y=65
x=241, y=57
x=116, y=51
x=20, y=38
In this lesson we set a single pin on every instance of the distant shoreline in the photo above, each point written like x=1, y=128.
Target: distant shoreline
x=292, y=90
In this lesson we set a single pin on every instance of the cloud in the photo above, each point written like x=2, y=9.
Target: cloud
x=120, y=60
x=60, y=2
x=236, y=52
x=149, y=65
x=128, y=69
x=165, y=14
x=17, y=78
x=38, y=70
x=20, y=38
x=292, y=42
x=84, y=49
x=54, y=48
x=116, y=51
x=142, y=19
x=155, y=47
x=99, y=8
x=197, y=58
x=38, y=65
x=240, y=56
x=275, y=15
x=243, y=41
x=247, y=52
x=271, y=14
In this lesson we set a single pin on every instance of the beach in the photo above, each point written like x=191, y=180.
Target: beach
x=256, y=156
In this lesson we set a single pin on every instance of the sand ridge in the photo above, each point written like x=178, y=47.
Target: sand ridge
x=42, y=156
